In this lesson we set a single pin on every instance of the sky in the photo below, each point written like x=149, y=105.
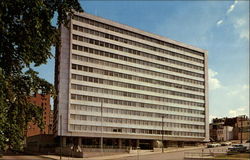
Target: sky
x=220, y=27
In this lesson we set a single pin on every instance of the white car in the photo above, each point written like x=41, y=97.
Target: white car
x=212, y=145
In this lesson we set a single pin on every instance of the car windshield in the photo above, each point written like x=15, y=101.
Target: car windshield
x=237, y=145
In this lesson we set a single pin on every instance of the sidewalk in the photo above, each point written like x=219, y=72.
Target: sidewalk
x=105, y=156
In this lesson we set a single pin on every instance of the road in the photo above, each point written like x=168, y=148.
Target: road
x=174, y=155
x=24, y=157
x=177, y=155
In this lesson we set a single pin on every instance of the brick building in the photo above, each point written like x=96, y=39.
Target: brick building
x=44, y=102
x=242, y=128
x=51, y=119
x=222, y=129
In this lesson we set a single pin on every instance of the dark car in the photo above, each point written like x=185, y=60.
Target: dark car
x=237, y=148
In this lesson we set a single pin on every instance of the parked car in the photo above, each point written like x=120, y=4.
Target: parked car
x=212, y=145
x=237, y=148
x=218, y=144
x=226, y=143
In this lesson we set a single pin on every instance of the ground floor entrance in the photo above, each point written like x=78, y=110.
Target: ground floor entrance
x=119, y=143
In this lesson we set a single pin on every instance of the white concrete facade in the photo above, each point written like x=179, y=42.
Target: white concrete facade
x=138, y=76
x=227, y=133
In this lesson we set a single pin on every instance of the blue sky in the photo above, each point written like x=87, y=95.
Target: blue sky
x=221, y=27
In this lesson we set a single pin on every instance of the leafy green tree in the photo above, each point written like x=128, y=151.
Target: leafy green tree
x=26, y=38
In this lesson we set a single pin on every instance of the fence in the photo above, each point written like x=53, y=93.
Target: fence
x=196, y=154
x=96, y=148
x=104, y=147
x=104, y=150
x=206, y=153
x=216, y=150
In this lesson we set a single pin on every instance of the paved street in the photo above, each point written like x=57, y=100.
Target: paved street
x=177, y=155
x=159, y=156
x=172, y=154
x=24, y=157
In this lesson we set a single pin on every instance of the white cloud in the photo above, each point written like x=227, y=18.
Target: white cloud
x=219, y=22
x=229, y=100
x=239, y=111
x=240, y=22
x=214, y=83
x=231, y=8
x=232, y=93
x=211, y=117
x=245, y=86
x=244, y=34
x=242, y=26
x=239, y=90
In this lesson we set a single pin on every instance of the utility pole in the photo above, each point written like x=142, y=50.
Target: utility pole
x=241, y=130
x=162, y=134
x=60, y=119
x=226, y=134
x=102, y=126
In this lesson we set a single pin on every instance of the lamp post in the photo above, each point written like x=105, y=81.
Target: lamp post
x=102, y=127
x=162, y=134
x=241, y=130
x=60, y=118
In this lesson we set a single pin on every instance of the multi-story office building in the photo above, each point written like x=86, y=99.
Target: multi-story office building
x=128, y=86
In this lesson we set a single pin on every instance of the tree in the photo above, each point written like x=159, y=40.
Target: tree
x=26, y=39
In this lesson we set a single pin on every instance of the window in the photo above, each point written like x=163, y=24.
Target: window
x=73, y=66
x=133, y=130
x=74, y=46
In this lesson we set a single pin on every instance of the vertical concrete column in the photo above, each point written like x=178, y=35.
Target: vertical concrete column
x=156, y=144
x=206, y=99
x=64, y=139
x=130, y=143
x=180, y=144
x=137, y=143
x=113, y=142
x=80, y=141
x=119, y=143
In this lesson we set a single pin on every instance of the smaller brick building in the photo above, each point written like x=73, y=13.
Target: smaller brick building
x=44, y=102
x=51, y=121
x=242, y=128
x=236, y=128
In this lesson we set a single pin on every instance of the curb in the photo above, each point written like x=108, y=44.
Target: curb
x=108, y=157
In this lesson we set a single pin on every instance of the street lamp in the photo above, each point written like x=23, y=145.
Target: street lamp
x=60, y=120
x=241, y=129
x=162, y=134
x=102, y=126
